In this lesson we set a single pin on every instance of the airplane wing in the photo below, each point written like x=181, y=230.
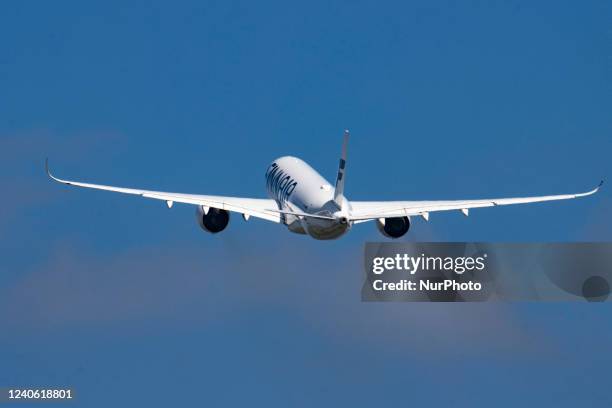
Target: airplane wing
x=259, y=208
x=368, y=210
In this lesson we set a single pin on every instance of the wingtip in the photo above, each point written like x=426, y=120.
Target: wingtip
x=596, y=189
x=51, y=176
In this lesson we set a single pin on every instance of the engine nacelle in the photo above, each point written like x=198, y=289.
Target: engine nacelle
x=393, y=227
x=214, y=220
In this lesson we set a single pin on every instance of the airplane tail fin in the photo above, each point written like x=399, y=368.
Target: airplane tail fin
x=339, y=192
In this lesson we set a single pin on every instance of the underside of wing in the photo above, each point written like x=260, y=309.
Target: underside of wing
x=256, y=207
x=367, y=210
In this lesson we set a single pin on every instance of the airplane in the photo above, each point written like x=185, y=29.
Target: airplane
x=302, y=200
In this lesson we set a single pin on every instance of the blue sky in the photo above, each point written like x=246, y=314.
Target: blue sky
x=130, y=302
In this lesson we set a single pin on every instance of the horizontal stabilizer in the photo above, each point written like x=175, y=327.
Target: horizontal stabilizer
x=302, y=214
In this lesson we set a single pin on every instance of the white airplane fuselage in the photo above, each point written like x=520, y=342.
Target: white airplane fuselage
x=297, y=187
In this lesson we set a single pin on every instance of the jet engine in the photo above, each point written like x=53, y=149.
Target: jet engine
x=393, y=227
x=212, y=219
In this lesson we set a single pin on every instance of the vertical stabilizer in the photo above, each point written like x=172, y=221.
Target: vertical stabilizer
x=339, y=192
